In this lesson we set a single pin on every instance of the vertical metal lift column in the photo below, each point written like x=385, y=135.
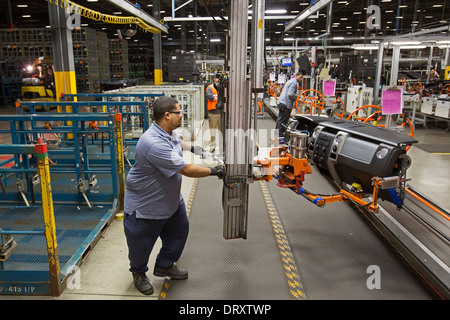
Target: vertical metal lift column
x=236, y=139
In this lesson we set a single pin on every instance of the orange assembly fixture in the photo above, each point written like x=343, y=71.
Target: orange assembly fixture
x=291, y=174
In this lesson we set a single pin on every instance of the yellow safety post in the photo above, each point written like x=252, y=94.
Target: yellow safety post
x=65, y=83
x=120, y=157
x=40, y=150
x=158, y=77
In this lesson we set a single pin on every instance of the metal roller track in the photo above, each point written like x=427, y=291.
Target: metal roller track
x=421, y=236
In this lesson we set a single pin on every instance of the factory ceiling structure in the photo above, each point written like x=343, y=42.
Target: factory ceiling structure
x=206, y=20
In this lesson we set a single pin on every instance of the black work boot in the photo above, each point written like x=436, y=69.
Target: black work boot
x=174, y=272
x=142, y=283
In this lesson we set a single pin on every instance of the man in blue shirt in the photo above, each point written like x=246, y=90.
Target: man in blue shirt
x=286, y=103
x=154, y=206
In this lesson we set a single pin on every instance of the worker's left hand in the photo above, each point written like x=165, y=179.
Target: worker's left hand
x=197, y=150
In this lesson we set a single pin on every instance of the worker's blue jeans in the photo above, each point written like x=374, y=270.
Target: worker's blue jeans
x=283, y=117
x=142, y=234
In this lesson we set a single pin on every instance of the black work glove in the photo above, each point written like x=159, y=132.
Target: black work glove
x=197, y=150
x=218, y=171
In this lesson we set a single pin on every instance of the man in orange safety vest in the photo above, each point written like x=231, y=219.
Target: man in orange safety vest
x=214, y=106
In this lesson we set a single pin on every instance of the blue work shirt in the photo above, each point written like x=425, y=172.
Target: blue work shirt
x=290, y=87
x=153, y=187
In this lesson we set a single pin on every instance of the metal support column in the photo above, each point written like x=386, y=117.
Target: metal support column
x=183, y=36
x=447, y=57
x=379, y=69
x=430, y=61
x=63, y=62
x=394, y=66
x=328, y=31
x=257, y=57
x=157, y=54
x=236, y=138
x=195, y=28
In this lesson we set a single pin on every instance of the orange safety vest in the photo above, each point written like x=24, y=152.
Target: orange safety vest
x=212, y=104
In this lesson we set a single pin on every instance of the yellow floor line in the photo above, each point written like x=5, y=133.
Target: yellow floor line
x=290, y=268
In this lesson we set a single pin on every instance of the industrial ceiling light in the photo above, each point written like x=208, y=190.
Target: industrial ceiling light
x=276, y=11
x=413, y=47
x=404, y=43
x=130, y=31
x=364, y=47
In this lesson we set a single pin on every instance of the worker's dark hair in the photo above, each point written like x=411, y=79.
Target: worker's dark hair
x=162, y=105
x=299, y=74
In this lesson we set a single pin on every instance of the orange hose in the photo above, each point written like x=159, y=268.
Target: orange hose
x=366, y=106
x=447, y=85
x=343, y=107
x=428, y=204
x=419, y=88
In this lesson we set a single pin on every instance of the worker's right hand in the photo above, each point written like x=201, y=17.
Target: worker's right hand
x=218, y=171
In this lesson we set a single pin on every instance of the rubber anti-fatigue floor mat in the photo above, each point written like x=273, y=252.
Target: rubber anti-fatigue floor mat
x=235, y=269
